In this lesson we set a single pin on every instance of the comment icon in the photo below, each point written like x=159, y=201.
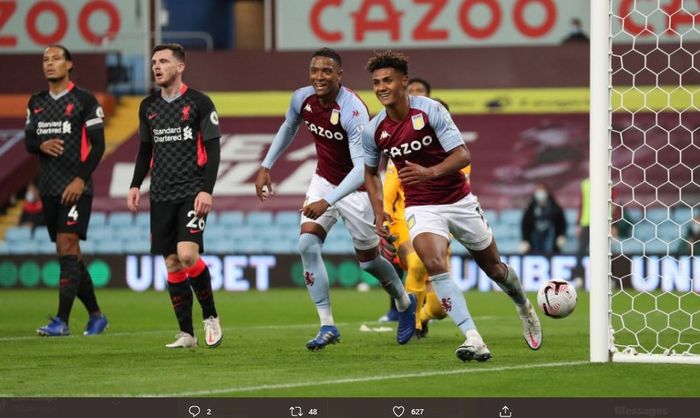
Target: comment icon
x=194, y=411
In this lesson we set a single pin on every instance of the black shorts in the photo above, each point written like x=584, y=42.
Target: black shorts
x=67, y=219
x=173, y=222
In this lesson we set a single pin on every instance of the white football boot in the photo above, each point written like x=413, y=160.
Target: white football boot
x=212, y=332
x=184, y=340
x=532, y=330
x=473, y=348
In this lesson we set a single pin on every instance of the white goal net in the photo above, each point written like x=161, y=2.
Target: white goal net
x=653, y=239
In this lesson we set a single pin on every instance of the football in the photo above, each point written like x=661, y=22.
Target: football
x=557, y=298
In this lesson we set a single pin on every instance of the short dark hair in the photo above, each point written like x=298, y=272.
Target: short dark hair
x=329, y=53
x=421, y=81
x=66, y=53
x=178, y=50
x=388, y=59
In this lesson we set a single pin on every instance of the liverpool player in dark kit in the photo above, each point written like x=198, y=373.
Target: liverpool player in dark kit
x=65, y=128
x=179, y=132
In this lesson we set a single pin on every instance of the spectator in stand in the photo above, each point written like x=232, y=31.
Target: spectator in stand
x=543, y=225
x=32, y=209
x=577, y=35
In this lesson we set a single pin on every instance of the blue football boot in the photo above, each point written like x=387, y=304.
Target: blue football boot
x=328, y=334
x=55, y=328
x=96, y=324
x=407, y=322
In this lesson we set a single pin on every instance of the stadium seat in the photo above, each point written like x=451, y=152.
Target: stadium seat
x=287, y=218
x=130, y=233
x=212, y=219
x=259, y=218
x=120, y=219
x=18, y=234
x=657, y=247
x=491, y=216
x=109, y=247
x=231, y=219
x=137, y=247
x=681, y=214
x=509, y=246
x=41, y=233
x=143, y=219
x=4, y=249
x=99, y=232
x=644, y=231
x=24, y=247
x=656, y=215
x=98, y=218
x=46, y=247
x=87, y=247
x=512, y=217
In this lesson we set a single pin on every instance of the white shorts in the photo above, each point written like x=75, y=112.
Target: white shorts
x=463, y=219
x=354, y=208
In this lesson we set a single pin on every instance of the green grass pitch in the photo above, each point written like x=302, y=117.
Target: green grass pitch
x=263, y=352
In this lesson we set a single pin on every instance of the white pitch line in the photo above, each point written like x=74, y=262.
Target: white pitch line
x=358, y=380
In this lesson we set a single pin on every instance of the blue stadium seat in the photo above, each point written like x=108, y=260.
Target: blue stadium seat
x=509, y=246
x=287, y=218
x=212, y=219
x=257, y=218
x=644, y=231
x=129, y=233
x=491, y=216
x=656, y=215
x=143, y=219
x=632, y=214
x=41, y=233
x=681, y=214
x=24, y=247
x=4, y=249
x=18, y=234
x=46, y=247
x=137, y=247
x=120, y=219
x=87, y=247
x=512, y=217
x=98, y=218
x=657, y=247
x=231, y=218
x=99, y=232
x=109, y=247
x=631, y=247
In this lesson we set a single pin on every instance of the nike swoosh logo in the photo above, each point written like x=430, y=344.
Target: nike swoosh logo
x=71, y=223
x=152, y=115
x=38, y=110
x=533, y=341
x=194, y=231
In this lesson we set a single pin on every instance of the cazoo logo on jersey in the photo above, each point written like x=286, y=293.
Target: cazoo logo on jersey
x=325, y=133
x=409, y=147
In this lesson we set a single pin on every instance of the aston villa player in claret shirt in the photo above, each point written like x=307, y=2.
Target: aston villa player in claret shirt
x=335, y=116
x=420, y=138
x=65, y=128
x=179, y=133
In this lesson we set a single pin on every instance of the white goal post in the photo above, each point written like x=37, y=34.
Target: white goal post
x=644, y=181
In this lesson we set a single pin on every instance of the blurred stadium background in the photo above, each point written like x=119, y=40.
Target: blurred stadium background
x=518, y=92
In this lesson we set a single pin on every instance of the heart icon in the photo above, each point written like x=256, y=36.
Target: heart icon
x=398, y=411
